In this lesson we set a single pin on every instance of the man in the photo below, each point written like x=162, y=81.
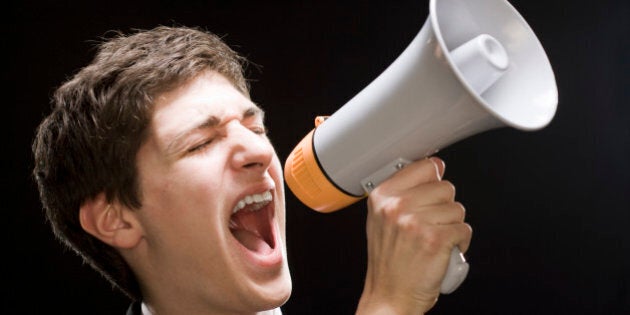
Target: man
x=155, y=167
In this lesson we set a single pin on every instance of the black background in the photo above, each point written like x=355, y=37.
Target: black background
x=549, y=208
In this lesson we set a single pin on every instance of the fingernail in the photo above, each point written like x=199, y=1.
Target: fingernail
x=439, y=164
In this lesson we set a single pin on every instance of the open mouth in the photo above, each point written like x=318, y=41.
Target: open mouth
x=251, y=223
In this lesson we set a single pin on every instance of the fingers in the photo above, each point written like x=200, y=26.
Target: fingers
x=432, y=228
x=418, y=204
x=465, y=236
x=440, y=165
x=416, y=173
x=413, y=198
x=440, y=214
x=430, y=193
x=413, y=224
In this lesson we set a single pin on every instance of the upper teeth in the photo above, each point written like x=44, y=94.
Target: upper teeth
x=260, y=201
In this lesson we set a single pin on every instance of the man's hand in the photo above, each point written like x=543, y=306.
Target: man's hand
x=413, y=224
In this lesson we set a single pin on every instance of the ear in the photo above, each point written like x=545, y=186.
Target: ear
x=112, y=223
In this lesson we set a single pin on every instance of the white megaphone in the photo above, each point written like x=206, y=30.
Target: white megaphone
x=474, y=66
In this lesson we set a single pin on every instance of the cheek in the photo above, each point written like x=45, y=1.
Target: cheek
x=183, y=211
x=182, y=191
x=275, y=170
x=192, y=184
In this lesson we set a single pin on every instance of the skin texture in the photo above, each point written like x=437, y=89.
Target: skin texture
x=206, y=151
x=413, y=224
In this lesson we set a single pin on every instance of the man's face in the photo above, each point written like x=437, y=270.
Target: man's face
x=213, y=213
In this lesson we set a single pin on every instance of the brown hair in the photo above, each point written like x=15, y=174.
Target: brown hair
x=88, y=144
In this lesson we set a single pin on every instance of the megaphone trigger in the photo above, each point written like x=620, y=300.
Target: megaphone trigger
x=458, y=267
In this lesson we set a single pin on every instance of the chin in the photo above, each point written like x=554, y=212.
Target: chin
x=283, y=294
x=278, y=292
x=272, y=295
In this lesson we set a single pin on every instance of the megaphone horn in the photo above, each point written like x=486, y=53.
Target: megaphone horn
x=475, y=65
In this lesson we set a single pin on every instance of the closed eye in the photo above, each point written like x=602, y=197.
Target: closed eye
x=256, y=129
x=200, y=146
x=259, y=130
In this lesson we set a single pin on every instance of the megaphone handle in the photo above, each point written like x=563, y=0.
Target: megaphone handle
x=457, y=266
x=456, y=272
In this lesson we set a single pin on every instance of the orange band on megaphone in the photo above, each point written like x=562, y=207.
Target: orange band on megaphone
x=309, y=184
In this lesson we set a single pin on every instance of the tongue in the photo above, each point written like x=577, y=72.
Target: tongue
x=252, y=229
x=252, y=241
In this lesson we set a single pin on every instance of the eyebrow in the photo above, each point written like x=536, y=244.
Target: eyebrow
x=213, y=121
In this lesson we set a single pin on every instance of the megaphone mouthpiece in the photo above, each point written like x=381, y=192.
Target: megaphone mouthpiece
x=475, y=65
x=481, y=61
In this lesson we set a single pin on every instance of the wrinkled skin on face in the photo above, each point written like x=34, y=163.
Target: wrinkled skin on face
x=207, y=153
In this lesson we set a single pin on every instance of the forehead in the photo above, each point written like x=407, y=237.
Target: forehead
x=209, y=94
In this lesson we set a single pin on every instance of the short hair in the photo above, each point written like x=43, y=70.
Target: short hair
x=88, y=143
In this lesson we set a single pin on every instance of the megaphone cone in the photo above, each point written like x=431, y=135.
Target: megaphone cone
x=475, y=65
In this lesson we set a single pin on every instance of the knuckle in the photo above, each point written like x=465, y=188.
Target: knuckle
x=422, y=235
x=431, y=171
x=378, y=192
x=461, y=209
x=448, y=189
x=448, y=186
x=382, y=193
x=407, y=225
x=469, y=230
x=387, y=208
x=432, y=241
x=426, y=170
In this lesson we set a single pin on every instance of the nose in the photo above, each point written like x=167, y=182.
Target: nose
x=250, y=151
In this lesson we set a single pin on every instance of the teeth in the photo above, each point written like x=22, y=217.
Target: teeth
x=258, y=201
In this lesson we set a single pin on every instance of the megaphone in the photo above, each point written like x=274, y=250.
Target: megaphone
x=475, y=65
